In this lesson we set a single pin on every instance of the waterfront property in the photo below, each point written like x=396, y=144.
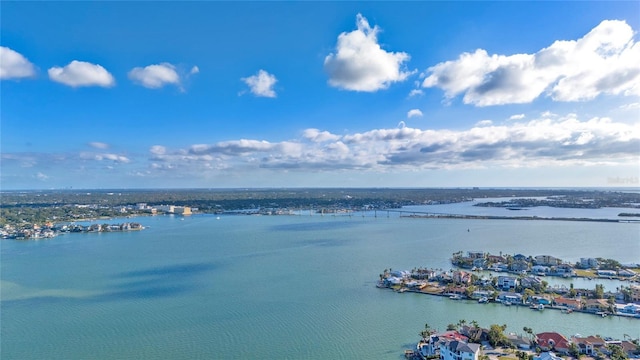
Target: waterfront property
x=458, y=350
x=553, y=341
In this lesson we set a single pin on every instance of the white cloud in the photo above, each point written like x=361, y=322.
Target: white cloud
x=604, y=61
x=360, y=64
x=194, y=70
x=104, y=156
x=98, y=145
x=41, y=176
x=414, y=113
x=484, y=123
x=158, y=150
x=563, y=141
x=261, y=84
x=80, y=73
x=517, y=117
x=316, y=135
x=630, y=106
x=14, y=65
x=416, y=92
x=155, y=76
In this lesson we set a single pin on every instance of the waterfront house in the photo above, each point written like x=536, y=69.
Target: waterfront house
x=457, y=290
x=477, y=294
x=495, y=259
x=574, y=304
x=392, y=280
x=589, y=345
x=459, y=350
x=588, y=263
x=520, y=342
x=630, y=308
x=541, y=299
x=626, y=273
x=510, y=297
x=520, y=257
x=606, y=273
x=462, y=277
x=431, y=346
x=499, y=267
x=630, y=349
x=596, y=305
x=531, y=282
x=423, y=274
x=540, y=270
x=401, y=274
x=547, y=260
x=519, y=266
x=635, y=293
x=564, y=270
x=548, y=341
x=507, y=283
x=475, y=334
x=479, y=263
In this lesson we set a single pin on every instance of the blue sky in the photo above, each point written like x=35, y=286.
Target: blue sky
x=297, y=94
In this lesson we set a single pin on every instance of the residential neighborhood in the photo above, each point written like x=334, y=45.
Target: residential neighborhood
x=521, y=282
x=472, y=342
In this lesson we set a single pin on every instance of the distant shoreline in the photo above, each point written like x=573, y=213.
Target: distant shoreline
x=496, y=217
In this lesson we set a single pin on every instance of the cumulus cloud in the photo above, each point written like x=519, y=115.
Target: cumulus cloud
x=158, y=150
x=316, y=135
x=360, y=64
x=565, y=140
x=517, y=117
x=155, y=76
x=416, y=92
x=81, y=73
x=261, y=84
x=414, y=113
x=604, y=61
x=14, y=65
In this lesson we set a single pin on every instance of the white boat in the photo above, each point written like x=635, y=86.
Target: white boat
x=483, y=300
x=455, y=297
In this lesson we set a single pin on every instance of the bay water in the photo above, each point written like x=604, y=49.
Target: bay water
x=271, y=287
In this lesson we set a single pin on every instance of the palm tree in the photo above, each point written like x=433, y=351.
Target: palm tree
x=426, y=332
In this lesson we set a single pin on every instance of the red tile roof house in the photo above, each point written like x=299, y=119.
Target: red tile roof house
x=569, y=303
x=548, y=341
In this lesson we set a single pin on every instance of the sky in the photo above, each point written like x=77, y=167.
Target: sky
x=161, y=94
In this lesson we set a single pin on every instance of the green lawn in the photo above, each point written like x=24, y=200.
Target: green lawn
x=585, y=273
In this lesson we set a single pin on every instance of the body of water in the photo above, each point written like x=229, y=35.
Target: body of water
x=271, y=287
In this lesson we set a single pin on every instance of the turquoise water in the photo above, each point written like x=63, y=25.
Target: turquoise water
x=270, y=287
